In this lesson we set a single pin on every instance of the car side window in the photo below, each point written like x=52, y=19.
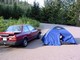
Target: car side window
x=30, y=28
x=25, y=29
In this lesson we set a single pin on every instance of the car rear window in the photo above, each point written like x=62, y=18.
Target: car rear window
x=14, y=29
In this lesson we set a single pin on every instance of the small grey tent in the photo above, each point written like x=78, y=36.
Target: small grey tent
x=52, y=37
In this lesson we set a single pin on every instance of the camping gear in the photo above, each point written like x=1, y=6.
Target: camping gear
x=57, y=34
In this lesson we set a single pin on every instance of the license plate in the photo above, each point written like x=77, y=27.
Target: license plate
x=4, y=38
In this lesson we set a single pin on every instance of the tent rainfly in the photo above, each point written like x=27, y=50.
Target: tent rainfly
x=56, y=34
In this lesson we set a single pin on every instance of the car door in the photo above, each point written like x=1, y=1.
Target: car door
x=34, y=32
x=27, y=32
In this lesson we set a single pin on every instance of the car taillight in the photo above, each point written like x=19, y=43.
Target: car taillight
x=12, y=38
x=0, y=38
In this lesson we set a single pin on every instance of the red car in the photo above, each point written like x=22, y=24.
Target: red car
x=19, y=35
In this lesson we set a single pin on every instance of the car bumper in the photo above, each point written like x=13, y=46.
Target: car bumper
x=7, y=42
x=17, y=42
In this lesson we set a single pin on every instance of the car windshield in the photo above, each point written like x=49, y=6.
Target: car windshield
x=14, y=29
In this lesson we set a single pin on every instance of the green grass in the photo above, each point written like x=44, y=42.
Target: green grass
x=23, y=20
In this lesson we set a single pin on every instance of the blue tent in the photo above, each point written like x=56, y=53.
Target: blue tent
x=52, y=37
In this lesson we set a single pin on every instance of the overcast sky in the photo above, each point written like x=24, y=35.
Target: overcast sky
x=41, y=2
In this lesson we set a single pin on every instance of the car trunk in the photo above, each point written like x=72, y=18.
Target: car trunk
x=6, y=34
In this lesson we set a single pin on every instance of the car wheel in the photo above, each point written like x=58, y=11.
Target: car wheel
x=39, y=36
x=25, y=43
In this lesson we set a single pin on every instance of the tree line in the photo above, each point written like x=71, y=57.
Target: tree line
x=53, y=12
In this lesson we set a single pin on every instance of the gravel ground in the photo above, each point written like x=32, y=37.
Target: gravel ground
x=36, y=51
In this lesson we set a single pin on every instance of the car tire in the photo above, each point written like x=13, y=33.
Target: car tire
x=24, y=43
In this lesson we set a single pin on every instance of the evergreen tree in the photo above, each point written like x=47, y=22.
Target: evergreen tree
x=35, y=11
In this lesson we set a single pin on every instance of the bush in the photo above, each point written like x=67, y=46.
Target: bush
x=71, y=22
x=23, y=20
x=3, y=24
